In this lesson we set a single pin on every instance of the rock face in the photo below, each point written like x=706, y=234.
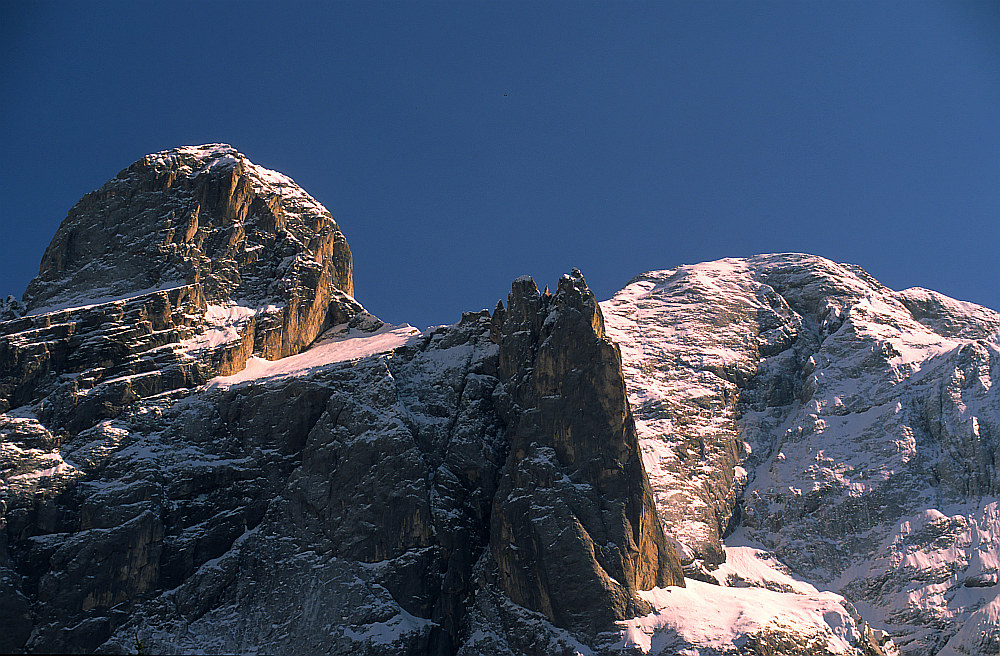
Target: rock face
x=202, y=215
x=574, y=530
x=344, y=503
x=207, y=446
x=180, y=268
x=335, y=500
x=838, y=429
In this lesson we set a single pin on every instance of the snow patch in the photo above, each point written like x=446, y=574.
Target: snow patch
x=85, y=302
x=390, y=631
x=352, y=346
x=711, y=617
x=223, y=326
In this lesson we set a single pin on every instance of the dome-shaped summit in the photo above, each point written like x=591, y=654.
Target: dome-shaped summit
x=194, y=214
x=180, y=268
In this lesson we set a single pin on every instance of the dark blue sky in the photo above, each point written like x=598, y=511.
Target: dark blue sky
x=460, y=145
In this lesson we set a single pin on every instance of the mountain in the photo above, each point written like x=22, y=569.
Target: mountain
x=831, y=427
x=207, y=445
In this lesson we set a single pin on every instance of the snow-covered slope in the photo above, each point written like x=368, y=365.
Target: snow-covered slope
x=849, y=429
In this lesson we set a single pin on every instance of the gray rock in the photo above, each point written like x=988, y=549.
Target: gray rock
x=845, y=427
x=574, y=528
x=477, y=488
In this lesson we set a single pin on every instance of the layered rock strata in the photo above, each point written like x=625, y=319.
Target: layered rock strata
x=345, y=505
x=201, y=214
x=324, y=505
x=359, y=488
x=194, y=461
x=182, y=267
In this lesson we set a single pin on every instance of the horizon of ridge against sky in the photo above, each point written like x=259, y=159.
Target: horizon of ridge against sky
x=460, y=145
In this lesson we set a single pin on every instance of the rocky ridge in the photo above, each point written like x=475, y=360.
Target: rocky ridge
x=837, y=429
x=227, y=454
x=207, y=445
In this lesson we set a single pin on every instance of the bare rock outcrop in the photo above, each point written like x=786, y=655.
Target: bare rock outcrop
x=182, y=267
x=201, y=214
x=574, y=531
x=344, y=503
x=372, y=505
x=323, y=506
x=480, y=488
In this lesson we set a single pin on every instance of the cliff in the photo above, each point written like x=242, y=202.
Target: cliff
x=209, y=446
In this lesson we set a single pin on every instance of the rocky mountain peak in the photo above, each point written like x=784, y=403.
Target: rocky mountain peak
x=193, y=461
x=574, y=529
x=181, y=267
x=194, y=215
x=402, y=483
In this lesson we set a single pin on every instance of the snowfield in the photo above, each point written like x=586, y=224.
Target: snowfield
x=327, y=350
x=855, y=430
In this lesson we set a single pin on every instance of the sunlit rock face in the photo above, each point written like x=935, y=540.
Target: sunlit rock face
x=199, y=214
x=182, y=267
x=202, y=215
x=208, y=446
x=848, y=429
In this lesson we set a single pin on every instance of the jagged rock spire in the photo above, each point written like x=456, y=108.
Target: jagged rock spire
x=574, y=529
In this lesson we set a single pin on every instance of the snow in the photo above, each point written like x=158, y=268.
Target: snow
x=59, y=468
x=93, y=299
x=843, y=477
x=224, y=322
x=979, y=633
x=701, y=616
x=354, y=345
x=748, y=566
x=266, y=182
x=388, y=632
x=35, y=468
x=848, y=437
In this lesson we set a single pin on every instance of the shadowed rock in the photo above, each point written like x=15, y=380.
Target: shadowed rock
x=472, y=489
x=574, y=531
